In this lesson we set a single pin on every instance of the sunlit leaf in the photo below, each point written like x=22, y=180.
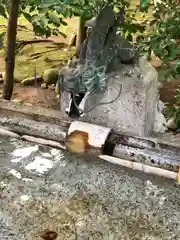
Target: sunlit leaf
x=54, y=18
x=144, y=4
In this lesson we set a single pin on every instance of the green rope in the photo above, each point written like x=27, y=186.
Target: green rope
x=96, y=105
x=90, y=79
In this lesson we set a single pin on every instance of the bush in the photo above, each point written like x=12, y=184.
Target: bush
x=163, y=40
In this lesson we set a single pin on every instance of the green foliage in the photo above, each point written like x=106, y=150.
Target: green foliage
x=3, y=8
x=46, y=16
x=163, y=37
x=45, y=21
x=144, y=5
x=163, y=40
x=68, y=8
x=130, y=26
x=174, y=111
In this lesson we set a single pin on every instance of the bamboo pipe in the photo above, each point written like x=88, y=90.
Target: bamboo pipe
x=76, y=142
x=153, y=156
x=114, y=160
x=88, y=138
x=96, y=136
x=141, y=167
x=144, y=143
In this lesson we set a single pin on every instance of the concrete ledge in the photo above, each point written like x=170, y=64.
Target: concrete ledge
x=12, y=109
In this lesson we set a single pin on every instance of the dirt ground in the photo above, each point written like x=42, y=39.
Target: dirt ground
x=168, y=91
x=36, y=96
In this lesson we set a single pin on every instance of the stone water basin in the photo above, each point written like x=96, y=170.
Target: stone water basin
x=44, y=189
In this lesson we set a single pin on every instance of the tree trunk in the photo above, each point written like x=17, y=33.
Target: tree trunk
x=10, y=49
x=81, y=35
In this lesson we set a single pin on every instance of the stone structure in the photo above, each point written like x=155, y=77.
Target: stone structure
x=112, y=86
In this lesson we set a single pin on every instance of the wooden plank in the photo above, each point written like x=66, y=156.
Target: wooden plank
x=12, y=109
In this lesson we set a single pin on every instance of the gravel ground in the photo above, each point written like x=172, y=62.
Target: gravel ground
x=48, y=194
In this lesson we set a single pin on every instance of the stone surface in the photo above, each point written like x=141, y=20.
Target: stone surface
x=137, y=109
x=30, y=81
x=44, y=189
x=51, y=76
x=44, y=86
x=171, y=124
x=133, y=110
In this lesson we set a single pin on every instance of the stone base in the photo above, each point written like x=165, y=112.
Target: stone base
x=136, y=110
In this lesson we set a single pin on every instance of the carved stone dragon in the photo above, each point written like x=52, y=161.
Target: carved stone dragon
x=101, y=53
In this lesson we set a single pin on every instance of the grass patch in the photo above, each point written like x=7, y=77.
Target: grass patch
x=38, y=55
